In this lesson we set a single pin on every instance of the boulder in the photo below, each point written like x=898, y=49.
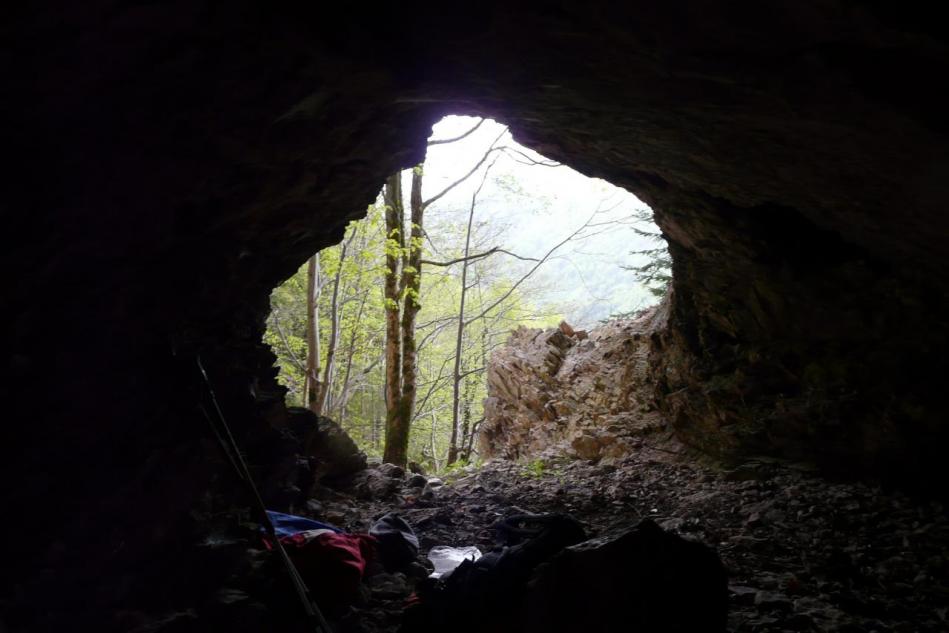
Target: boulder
x=391, y=470
x=645, y=580
x=334, y=453
x=416, y=481
x=586, y=446
x=370, y=484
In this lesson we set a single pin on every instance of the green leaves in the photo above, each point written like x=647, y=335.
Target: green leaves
x=362, y=328
x=656, y=273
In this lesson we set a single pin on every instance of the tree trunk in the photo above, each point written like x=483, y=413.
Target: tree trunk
x=400, y=393
x=325, y=392
x=395, y=241
x=411, y=284
x=434, y=448
x=401, y=354
x=344, y=392
x=469, y=441
x=466, y=401
x=311, y=378
x=456, y=372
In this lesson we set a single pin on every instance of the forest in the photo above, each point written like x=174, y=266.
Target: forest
x=389, y=332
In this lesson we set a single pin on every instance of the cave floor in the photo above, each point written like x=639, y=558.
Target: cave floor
x=802, y=553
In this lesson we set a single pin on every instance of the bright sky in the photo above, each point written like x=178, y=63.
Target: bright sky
x=584, y=282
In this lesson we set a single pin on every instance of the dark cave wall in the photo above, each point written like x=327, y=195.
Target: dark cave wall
x=796, y=161
x=171, y=164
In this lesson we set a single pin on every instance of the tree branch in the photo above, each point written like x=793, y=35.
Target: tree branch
x=435, y=332
x=531, y=271
x=481, y=162
x=457, y=138
x=286, y=345
x=428, y=324
x=492, y=251
x=527, y=160
x=432, y=387
x=471, y=371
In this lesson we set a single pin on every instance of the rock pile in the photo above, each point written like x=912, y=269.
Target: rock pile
x=586, y=392
x=801, y=553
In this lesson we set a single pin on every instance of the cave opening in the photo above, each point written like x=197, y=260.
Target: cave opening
x=173, y=163
x=512, y=244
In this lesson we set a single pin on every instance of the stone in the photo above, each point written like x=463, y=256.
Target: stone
x=799, y=622
x=746, y=472
x=389, y=586
x=416, y=468
x=771, y=600
x=370, y=484
x=743, y=595
x=648, y=579
x=391, y=470
x=416, y=481
x=586, y=447
x=337, y=515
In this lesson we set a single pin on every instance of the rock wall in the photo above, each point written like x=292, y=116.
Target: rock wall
x=589, y=394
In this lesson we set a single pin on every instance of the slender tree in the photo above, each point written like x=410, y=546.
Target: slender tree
x=456, y=444
x=311, y=377
x=460, y=331
x=395, y=429
x=403, y=279
x=325, y=391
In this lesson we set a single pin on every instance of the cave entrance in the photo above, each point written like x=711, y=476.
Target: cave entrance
x=484, y=244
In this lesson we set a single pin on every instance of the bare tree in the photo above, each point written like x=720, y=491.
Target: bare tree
x=461, y=428
x=325, y=392
x=460, y=331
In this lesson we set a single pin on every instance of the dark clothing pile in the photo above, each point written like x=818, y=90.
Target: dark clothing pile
x=332, y=562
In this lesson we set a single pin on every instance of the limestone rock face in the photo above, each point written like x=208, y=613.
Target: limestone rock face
x=589, y=393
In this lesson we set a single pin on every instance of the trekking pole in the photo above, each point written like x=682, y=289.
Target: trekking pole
x=229, y=446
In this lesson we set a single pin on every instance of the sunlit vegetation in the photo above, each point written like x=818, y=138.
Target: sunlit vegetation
x=390, y=332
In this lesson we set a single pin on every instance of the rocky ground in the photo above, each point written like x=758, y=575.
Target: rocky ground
x=802, y=553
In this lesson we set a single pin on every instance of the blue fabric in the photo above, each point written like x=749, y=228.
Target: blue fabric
x=288, y=524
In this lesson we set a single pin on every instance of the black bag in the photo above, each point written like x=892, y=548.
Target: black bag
x=492, y=586
x=398, y=545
